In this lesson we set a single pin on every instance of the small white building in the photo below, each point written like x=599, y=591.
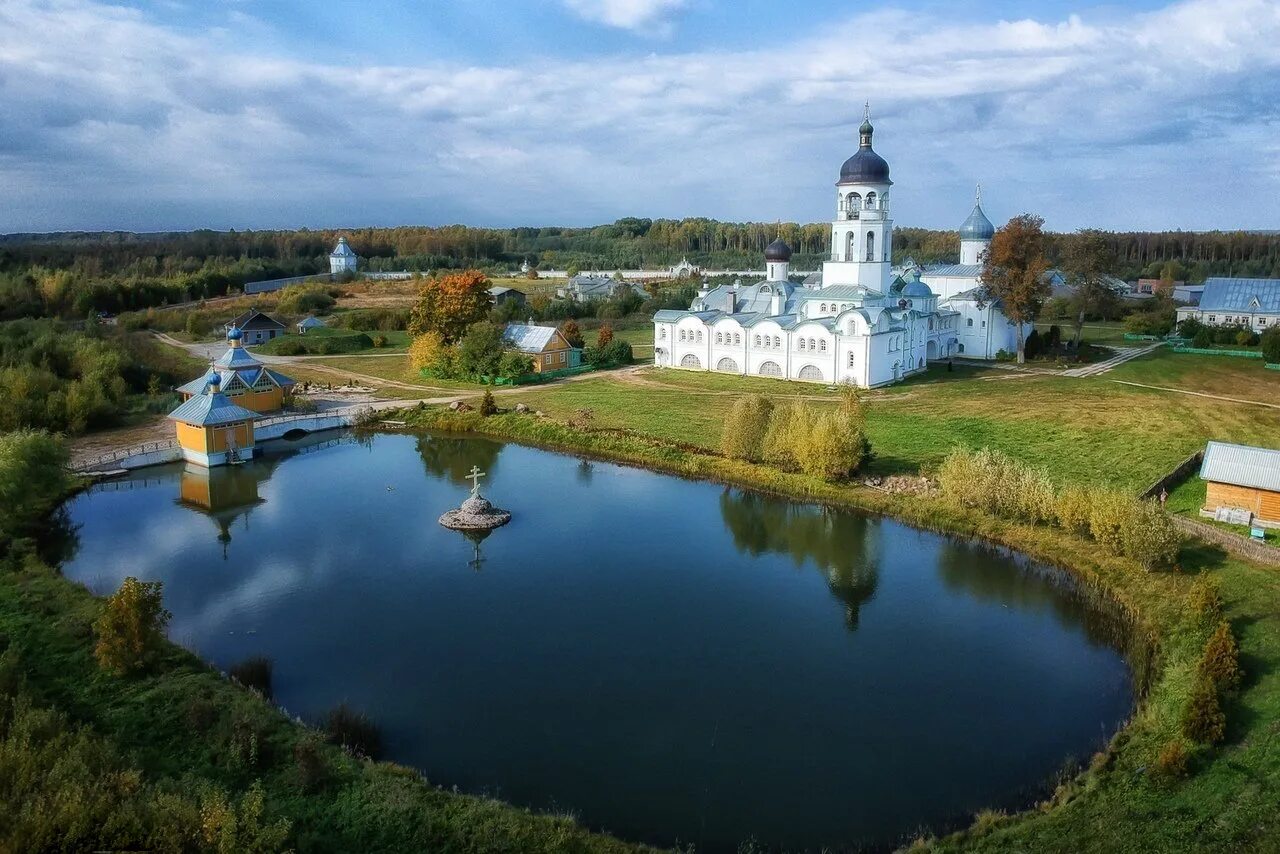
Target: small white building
x=343, y=259
x=858, y=322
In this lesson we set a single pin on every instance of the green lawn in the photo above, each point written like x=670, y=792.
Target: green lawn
x=1106, y=332
x=1227, y=376
x=1087, y=430
x=326, y=340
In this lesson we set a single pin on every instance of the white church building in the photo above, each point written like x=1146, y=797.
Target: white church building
x=860, y=321
x=343, y=258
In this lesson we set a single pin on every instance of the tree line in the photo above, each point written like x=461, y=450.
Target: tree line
x=72, y=274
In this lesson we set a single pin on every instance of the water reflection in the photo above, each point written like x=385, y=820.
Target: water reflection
x=843, y=546
x=225, y=494
x=452, y=457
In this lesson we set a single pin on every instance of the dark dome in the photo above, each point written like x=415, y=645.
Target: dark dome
x=778, y=250
x=865, y=166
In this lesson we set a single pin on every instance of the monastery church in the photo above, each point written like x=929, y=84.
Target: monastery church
x=860, y=320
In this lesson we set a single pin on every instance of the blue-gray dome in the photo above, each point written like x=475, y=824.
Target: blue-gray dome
x=234, y=333
x=865, y=166
x=778, y=250
x=918, y=289
x=977, y=226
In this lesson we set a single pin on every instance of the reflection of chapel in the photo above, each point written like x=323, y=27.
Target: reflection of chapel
x=226, y=495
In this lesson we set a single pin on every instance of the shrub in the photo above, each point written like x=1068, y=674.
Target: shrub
x=569, y=329
x=833, y=448
x=379, y=340
x=130, y=631
x=488, y=406
x=1073, y=510
x=1203, y=339
x=228, y=827
x=1190, y=327
x=788, y=434
x=305, y=299
x=604, y=337
x=1205, y=600
x=1270, y=341
x=1172, y=761
x=1245, y=338
x=1033, y=346
x=425, y=349
x=1203, y=721
x=1221, y=660
x=513, y=364
x=353, y=731
x=33, y=479
x=313, y=770
x=289, y=347
x=1148, y=535
x=746, y=426
x=1108, y=514
x=255, y=673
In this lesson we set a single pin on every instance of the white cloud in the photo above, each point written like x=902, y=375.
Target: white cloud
x=625, y=14
x=115, y=121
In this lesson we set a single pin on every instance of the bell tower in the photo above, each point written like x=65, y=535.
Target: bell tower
x=862, y=232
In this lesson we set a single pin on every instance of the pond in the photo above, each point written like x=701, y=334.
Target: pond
x=667, y=660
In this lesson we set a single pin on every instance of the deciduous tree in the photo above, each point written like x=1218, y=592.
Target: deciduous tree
x=1013, y=273
x=1087, y=261
x=569, y=329
x=450, y=303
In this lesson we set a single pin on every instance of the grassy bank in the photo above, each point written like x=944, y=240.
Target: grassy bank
x=1118, y=803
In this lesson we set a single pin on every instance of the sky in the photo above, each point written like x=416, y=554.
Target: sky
x=180, y=114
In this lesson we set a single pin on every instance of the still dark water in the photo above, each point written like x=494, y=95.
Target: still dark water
x=668, y=660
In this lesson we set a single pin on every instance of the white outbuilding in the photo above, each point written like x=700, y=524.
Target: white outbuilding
x=343, y=259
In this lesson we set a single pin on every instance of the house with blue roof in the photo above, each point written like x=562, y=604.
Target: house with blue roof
x=1253, y=304
x=212, y=430
x=545, y=345
x=860, y=321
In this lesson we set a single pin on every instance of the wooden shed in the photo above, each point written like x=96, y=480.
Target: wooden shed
x=1241, y=477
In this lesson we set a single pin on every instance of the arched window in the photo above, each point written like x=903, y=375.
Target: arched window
x=699, y=336
x=801, y=346
x=851, y=250
x=822, y=346
x=931, y=323
x=777, y=342
x=757, y=341
x=662, y=332
x=719, y=338
x=681, y=334
x=871, y=246
x=812, y=344
x=737, y=338
x=871, y=200
x=853, y=204
x=851, y=358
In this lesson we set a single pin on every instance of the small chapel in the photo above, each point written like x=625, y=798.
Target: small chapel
x=214, y=423
x=859, y=320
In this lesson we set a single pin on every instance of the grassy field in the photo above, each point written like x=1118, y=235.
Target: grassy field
x=1226, y=376
x=334, y=340
x=1104, y=332
x=1088, y=430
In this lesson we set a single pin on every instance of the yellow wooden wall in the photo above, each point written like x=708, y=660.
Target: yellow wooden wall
x=1265, y=504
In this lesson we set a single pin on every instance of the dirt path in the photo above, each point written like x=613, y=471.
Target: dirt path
x=1200, y=394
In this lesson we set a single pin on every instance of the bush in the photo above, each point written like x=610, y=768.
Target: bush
x=1109, y=512
x=33, y=479
x=1203, y=339
x=605, y=336
x=1148, y=535
x=1033, y=346
x=255, y=673
x=1245, y=338
x=130, y=631
x=1172, y=762
x=425, y=349
x=788, y=434
x=1221, y=660
x=1270, y=341
x=305, y=299
x=1205, y=600
x=313, y=770
x=1190, y=327
x=833, y=448
x=1204, y=721
x=289, y=347
x=569, y=329
x=745, y=428
x=379, y=340
x=1073, y=509
x=488, y=406
x=353, y=731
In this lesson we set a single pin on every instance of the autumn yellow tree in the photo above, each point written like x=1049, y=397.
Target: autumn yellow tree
x=1013, y=273
x=450, y=303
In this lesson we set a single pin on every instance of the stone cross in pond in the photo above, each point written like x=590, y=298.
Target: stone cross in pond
x=474, y=477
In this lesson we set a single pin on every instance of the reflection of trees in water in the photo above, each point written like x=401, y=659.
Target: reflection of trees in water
x=59, y=538
x=992, y=573
x=452, y=457
x=841, y=545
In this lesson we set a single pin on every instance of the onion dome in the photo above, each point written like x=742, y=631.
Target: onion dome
x=916, y=288
x=865, y=166
x=977, y=226
x=234, y=333
x=778, y=250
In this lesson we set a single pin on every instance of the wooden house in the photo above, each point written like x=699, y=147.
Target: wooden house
x=241, y=377
x=1240, y=477
x=546, y=345
x=256, y=327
